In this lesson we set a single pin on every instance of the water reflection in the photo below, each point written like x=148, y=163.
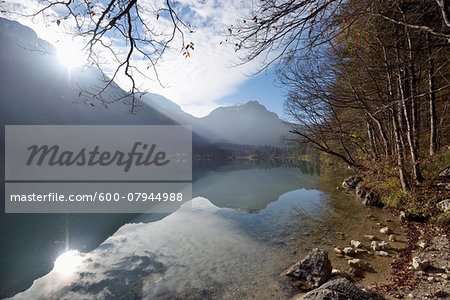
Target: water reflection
x=195, y=252
x=234, y=245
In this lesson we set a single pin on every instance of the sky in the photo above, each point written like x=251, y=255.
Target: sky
x=209, y=78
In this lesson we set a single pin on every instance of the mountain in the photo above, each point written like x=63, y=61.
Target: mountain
x=249, y=123
x=36, y=89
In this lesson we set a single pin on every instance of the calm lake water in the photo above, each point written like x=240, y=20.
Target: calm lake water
x=230, y=242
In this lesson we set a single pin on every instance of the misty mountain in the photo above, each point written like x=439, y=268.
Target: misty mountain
x=249, y=123
x=36, y=89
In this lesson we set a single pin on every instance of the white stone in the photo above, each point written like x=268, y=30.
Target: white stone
x=374, y=246
x=383, y=245
x=385, y=230
x=349, y=251
x=419, y=263
x=355, y=244
x=370, y=237
x=422, y=245
x=392, y=238
x=382, y=253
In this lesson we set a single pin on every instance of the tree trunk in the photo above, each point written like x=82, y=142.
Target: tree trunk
x=400, y=164
x=432, y=100
x=371, y=138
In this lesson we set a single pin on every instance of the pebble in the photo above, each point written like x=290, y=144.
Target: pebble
x=374, y=246
x=445, y=276
x=384, y=245
x=422, y=245
x=419, y=263
x=402, y=216
x=335, y=272
x=355, y=244
x=386, y=230
x=382, y=253
x=430, y=279
x=349, y=251
x=392, y=238
x=337, y=250
x=370, y=237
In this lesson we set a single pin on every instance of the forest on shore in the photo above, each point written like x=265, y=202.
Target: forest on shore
x=373, y=93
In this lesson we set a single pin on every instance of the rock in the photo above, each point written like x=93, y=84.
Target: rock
x=371, y=199
x=337, y=250
x=351, y=182
x=386, y=230
x=383, y=245
x=335, y=272
x=445, y=276
x=422, y=245
x=361, y=190
x=444, y=205
x=374, y=246
x=370, y=237
x=355, y=244
x=349, y=251
x=339, y=289
x=313, y=270
x=445, y=173
x=402, y=216
x=420, y=264
x=382, y=253
x=430, y=279
x=392, y=238
x=357, y=264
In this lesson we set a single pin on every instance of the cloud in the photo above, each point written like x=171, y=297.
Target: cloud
x=195, y=83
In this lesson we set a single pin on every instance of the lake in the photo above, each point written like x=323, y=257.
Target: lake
x=246, y=223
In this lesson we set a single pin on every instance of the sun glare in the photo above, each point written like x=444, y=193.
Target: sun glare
x=70, y=56
x=68, y=262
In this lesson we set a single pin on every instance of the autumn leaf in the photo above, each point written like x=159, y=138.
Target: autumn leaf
x=58, y=22
x=92, y=104
x=80, y=93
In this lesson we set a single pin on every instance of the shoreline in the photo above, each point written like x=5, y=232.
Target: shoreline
x=391, y=273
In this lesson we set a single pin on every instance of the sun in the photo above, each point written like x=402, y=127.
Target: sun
x=70, y=56
x=68, y=262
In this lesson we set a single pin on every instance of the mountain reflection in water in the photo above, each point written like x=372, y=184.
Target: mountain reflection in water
x=233, y=244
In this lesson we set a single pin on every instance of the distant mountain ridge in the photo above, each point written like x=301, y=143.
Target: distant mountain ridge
x=35, y=90
x=248, y=123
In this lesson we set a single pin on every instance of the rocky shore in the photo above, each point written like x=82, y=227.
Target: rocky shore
x=414, y=256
